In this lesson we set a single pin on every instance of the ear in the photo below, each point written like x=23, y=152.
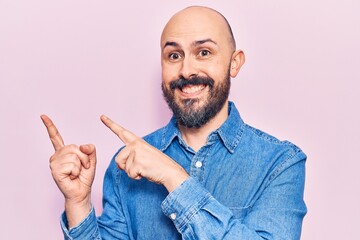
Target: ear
x=237, y=60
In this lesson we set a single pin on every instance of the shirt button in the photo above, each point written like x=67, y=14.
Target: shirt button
x=198, y=164
x=173, y=216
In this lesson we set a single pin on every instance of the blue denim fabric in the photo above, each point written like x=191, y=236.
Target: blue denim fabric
x=244, y=184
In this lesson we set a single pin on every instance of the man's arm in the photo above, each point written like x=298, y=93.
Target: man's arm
x=73, y=170
x=276, y=214
x=112, y=223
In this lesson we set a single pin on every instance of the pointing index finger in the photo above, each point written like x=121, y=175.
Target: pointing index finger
x=54, y=134
x=125, y=135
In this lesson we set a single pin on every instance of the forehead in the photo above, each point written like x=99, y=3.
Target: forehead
x=195, y=24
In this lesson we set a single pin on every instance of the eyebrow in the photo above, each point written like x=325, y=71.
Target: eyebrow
x=173, y=44
x=199, y=42
x=195, y=43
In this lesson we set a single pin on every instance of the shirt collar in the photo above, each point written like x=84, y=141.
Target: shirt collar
x=230, y=131
x=169, y=133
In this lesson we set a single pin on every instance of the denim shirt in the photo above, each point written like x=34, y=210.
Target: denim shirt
x=243, y=184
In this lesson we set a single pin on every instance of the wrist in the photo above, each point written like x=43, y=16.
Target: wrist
x=77, y=211
x=174, y=180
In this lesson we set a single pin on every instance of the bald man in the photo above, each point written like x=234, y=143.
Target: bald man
x=205, y=175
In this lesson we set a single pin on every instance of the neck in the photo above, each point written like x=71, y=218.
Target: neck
x=197, y=137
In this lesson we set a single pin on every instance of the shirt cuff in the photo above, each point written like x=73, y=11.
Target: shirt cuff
x=184, y=202
x=85, y=230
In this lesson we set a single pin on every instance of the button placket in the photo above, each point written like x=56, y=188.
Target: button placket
x=198, y=164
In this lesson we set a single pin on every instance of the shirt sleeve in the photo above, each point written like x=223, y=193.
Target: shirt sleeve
x=87, y=229
x=111, y=224
x=276, y=214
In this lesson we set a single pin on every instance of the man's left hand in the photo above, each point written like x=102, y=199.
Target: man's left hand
x=139, y=159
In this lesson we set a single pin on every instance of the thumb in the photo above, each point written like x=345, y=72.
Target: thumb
x=90, y=150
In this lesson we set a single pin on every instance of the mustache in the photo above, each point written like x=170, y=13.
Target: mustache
x=182, y=82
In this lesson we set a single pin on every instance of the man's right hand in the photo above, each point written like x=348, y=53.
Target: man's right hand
x=73, y=169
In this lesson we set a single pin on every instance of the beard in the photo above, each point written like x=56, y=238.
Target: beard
x=188, y=112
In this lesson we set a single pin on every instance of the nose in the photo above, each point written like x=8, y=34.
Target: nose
x=188, y=68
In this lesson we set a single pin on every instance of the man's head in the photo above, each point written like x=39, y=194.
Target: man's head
x=198, y=58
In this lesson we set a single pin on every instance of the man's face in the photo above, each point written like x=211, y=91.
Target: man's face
x=196, y=56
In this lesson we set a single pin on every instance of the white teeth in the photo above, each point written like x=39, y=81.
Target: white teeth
x=192, y=88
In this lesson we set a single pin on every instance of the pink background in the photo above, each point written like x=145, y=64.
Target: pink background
x=75, y=60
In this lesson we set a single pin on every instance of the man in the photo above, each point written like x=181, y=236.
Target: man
x=206, y=175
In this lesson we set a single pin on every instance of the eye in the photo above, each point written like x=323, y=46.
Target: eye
x=174, y=56
x=204, y=53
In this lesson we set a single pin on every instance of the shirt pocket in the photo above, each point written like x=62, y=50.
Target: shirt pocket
x=240, y=212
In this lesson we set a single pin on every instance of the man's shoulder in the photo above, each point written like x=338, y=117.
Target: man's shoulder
x=263, y=140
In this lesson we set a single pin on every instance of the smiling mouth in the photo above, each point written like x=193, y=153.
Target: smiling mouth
x=191, y=89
